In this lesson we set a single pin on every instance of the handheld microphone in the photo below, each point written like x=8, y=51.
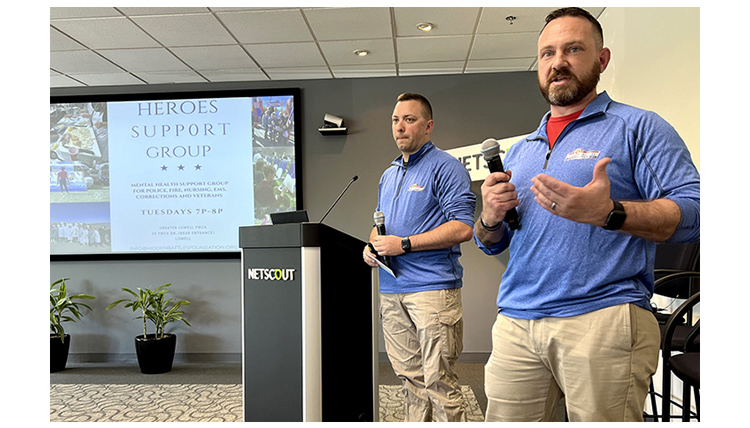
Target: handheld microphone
x=337, y=199
x=491, y=154
x=379, y=218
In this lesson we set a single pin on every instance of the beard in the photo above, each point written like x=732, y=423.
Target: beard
x=574, y=90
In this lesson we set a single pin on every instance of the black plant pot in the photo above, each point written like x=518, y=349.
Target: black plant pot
x=58, y=353
x=155, y=355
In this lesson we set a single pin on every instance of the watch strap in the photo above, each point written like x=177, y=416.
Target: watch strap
x=489, y=228
x=406, y=244
x=616, y=217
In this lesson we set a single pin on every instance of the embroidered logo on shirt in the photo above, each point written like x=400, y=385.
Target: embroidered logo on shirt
x=582, y=154
x=415, y=188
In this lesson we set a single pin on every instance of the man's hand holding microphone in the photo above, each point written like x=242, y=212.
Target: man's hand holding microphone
x=382, y=245
x=498, y=193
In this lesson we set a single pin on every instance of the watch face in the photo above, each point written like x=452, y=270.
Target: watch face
x=406, y=244
x=616, y=217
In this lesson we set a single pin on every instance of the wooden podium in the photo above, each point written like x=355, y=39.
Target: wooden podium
x=309, y=339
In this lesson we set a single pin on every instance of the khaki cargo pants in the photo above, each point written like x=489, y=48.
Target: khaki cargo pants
x=423, y=334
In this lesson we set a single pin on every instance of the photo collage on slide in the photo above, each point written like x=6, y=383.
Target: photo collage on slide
x=273, y=156
x=79, y=179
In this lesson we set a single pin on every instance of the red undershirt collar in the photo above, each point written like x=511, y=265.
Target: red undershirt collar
x=555, y=125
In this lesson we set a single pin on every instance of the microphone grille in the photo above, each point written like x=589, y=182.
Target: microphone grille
x=490, y=148
x=379, y=217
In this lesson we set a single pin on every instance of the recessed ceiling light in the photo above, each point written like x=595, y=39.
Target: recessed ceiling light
x=425, y=26
x=361, y=52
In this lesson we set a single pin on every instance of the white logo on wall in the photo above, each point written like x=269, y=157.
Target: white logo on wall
x=471, y=157
x=271, y=274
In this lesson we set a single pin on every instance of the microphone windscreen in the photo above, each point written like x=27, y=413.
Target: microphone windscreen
x=379, y=217
x=355, y=178
x=490, y=148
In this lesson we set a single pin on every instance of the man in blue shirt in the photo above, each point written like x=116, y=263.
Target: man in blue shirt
x=595, y=187
x=429, y=211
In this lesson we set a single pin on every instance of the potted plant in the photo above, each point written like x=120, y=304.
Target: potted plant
x=63, y=308
x=155, y=351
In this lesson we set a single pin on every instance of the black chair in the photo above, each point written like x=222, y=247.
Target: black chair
x=672, y=259
x=686, y=364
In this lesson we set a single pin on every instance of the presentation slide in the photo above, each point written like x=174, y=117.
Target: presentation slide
x=168, y=176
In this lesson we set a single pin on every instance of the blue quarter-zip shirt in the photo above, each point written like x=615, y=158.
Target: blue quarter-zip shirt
x=416, y=197
x=561, y=268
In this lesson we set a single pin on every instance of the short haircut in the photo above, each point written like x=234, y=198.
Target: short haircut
x=426, y=107
x=580, y=13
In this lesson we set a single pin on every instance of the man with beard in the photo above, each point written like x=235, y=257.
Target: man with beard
x=595, y=187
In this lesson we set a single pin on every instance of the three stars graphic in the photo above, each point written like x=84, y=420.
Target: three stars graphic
x=182, y=167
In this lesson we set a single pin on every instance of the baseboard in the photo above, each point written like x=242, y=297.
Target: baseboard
x=130, y=358
x=465, y=358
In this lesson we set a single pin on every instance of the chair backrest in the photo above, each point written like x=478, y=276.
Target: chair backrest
x=672, y=258
x=675, y=322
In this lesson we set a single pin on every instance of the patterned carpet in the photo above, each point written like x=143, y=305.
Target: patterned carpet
x=186, y=403
x=392, y=407
x=145, y=403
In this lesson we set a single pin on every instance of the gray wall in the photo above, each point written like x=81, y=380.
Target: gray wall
x=467, y=109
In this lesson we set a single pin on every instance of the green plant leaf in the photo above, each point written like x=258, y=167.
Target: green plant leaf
x=65, y=308
x=155, y=307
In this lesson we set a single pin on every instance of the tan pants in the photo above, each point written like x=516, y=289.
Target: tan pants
x=601, y=362
x=423, y=335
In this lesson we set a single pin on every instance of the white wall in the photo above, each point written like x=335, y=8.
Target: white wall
x=656, y=65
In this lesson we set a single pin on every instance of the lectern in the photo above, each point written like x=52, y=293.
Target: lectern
x=309, y=348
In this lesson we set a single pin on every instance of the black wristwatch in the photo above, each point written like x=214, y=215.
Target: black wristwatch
x=616, y=217
x=406, y=244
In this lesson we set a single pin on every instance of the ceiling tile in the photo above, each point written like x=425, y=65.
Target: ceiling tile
x=350, y=23
x=58, y=80
x=233, y=75
x=107, y=79
x=60, y=42
x=299, y=73
x=140, y=11
x=266, y=26
x=198, y=44
x=424, y=49
x=342, y=52
x=358, y=71
x=500, y=65
x=105, y=33
x=87, y=62
x=595, y=11
x=185, y=30
x=425, y=68
x=448, y=20
x=171, y=77
x=528, y=19
x=510, y=45
x=82, y=12
x=152, y=59
x=215, y=57
x=286, y=55
x=245, y=8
